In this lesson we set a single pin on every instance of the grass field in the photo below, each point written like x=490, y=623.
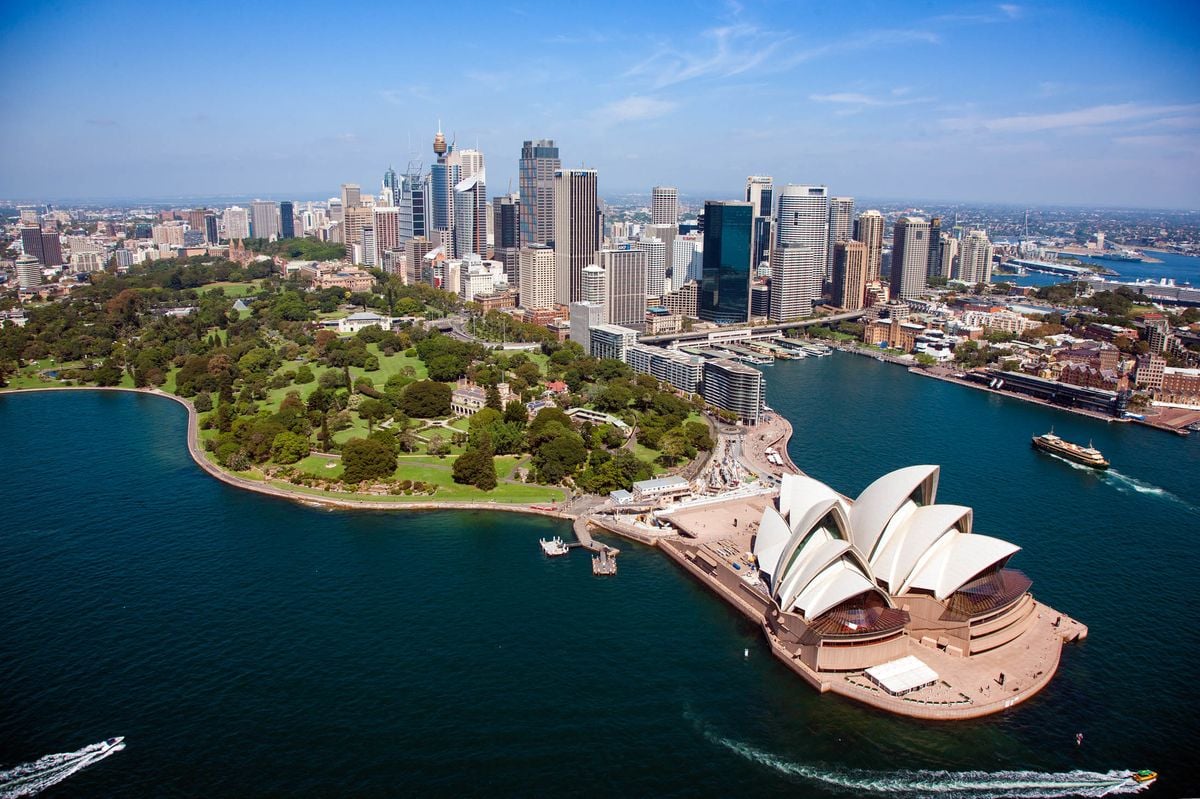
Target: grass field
x=234, y=289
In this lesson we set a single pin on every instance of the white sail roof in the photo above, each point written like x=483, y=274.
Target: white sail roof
x=880, y=500
x=773, y=535
x=954, y=560
x=797, y=493
x=836, y=583
x=898, y=554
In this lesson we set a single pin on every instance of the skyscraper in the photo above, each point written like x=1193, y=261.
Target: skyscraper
x=356, y=218
x=539, y=162
x=576, y=229
x=412, y=203
x=506, y=236
x=841, y=227
x=656, y=265
x=31, y=241
x=287, y=220
x=849, y=274
x=975, y=258
x=391, y=186
x=935, y=267
x=264, y=219
x=869, y=230
x=910, y=257
x=625, y=284
x=387, y=230
x=351, y=195
x=760, y=193
x=798, y=260
x=949, y=246
x=664, y=206
x=210, y=228
x=470, y=215
x=725, y=283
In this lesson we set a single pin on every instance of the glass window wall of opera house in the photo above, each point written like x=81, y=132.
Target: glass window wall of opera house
x=851, y=582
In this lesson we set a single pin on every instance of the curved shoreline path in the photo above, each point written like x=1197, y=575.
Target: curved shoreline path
x=193, y=444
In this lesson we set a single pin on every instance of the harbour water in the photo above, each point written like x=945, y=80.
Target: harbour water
x=247, y=646
x=1180, y=268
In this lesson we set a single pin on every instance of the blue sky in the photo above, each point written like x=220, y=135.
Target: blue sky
x=1030, y=103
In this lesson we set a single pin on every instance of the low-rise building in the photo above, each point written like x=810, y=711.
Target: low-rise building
x=660, y=489
x=468, y=397
x=681, y=370
x=362, y=320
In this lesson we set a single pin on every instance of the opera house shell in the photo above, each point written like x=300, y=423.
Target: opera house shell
x=852, y=582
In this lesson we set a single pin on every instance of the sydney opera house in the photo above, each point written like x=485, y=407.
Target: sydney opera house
x=889, y=598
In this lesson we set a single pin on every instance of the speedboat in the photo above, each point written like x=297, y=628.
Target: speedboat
x=1144, y=776
x=112, y=743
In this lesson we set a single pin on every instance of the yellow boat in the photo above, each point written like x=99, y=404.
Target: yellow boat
x=1144, y=776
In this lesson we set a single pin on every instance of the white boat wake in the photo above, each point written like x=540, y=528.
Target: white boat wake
x=31, y=778
x=1124, y=483
x=914, y=783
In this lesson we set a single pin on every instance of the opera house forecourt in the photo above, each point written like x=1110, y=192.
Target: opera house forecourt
x=890, y=599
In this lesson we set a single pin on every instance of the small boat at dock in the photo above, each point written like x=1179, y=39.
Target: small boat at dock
x=553, y=547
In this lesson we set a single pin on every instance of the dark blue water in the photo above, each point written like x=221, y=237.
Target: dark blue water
x=247, y=646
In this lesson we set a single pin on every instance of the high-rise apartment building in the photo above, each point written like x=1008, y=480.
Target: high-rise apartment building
x=287, y=220
x=237, y=223
x=264, y=219
x=975, y=258
x=841, y=227
x=734, y=387
x=949, y=246
x=849, y=274
x=470, y=215
x=595, y=285
x=29, y=271
x=725, y=282
x=539, y=163
x=357, y=217
x=910, y=257
x=869, y=230
x=625, y=284
x=798, y=260
x=537, y=281
x=664, y=206
x=576, y=229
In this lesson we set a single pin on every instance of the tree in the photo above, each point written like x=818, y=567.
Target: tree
x=475, y=467
x=203, y=402
x=367, y=459
x=426, y=399
x=373, y=411
x=437, y=445
x=559, y=457
x=289, y=447
x=673, y=444
x=304, y=375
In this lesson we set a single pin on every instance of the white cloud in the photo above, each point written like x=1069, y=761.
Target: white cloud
x=1009, y=10
x=866, y=100
x=635, y=107
x=1079, y=118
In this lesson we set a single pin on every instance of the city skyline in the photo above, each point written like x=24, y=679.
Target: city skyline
x=1056, y=114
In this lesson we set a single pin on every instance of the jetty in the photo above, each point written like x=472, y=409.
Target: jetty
x=604, y=557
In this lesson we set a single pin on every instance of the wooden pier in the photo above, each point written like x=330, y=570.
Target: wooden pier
x=604, y=559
